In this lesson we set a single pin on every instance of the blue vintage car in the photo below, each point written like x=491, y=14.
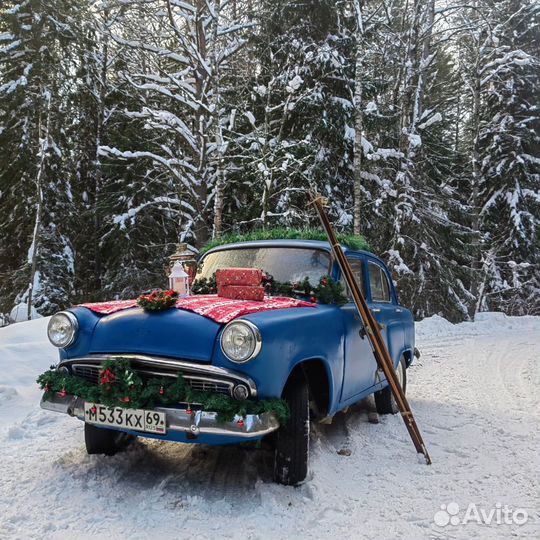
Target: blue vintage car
x=318, y=359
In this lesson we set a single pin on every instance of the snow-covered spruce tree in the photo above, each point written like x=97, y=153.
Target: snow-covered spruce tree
x=294, y=133
x=113, y=255
x=36, y=266
x=410, y=207
x=376, y=134
x=178, y=53
x=93, y=97
x=508, y=147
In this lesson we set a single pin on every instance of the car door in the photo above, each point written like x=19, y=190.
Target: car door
x=382, y=302
x=360, y=367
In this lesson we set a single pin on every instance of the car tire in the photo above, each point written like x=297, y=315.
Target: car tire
x=384, y=400
x=105, y=441
x=292, y=439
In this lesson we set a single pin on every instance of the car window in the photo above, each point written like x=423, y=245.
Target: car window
x=357, y=269
x=378, y=282
x=282, y=263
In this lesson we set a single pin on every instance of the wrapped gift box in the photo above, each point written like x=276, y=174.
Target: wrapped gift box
x=238, y=276
x=241, y=292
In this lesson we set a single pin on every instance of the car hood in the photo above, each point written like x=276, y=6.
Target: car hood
x=174, y=333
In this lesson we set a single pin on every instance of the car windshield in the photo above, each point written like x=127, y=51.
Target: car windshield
x=284, y=264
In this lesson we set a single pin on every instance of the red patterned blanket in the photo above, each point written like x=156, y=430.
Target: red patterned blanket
x=220, y=310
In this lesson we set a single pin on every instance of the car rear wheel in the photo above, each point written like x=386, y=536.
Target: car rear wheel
x=105, y=441
x=384, y=399
x=292, y=439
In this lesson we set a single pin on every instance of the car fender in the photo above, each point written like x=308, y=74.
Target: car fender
x=290, y=337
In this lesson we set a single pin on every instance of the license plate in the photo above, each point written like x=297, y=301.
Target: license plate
x=136, y=419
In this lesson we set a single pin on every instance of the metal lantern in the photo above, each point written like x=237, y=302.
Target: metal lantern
x=179, y=279
x=186, y=256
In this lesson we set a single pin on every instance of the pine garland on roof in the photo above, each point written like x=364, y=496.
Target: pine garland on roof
x=351, y=241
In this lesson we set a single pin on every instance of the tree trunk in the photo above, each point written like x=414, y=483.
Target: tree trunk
x=43, y=139
x=358, y=118
x=100, y=127
x=219, y=180
x=200, y=225
x=476, y=288
x=424, y=64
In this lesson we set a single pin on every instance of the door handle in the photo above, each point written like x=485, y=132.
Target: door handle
x=399, y=310
x=375, y=310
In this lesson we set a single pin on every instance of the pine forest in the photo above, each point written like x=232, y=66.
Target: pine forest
x=127, y=126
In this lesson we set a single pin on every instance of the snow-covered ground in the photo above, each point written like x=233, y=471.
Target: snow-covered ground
x=475, y=393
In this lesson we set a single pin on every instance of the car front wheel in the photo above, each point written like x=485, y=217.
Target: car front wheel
x=384, y=399
x=292, y=439
x=105, y=441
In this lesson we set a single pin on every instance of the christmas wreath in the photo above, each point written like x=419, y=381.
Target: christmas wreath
x=157, y=300
x=120, y=386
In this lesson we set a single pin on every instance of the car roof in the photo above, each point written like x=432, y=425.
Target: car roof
x=313, y=244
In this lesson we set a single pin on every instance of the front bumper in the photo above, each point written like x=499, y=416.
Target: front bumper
x=198, y=423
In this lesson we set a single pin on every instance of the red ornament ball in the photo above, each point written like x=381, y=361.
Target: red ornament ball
x=125, y=399
x=63, y=393
x=313, y=299
x=189, y=412
x=240, y=423
x=161, y=391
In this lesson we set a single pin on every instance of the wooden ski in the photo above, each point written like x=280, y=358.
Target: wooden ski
x=373, y=331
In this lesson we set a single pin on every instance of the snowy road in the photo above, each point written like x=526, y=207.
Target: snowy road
x=475, y=393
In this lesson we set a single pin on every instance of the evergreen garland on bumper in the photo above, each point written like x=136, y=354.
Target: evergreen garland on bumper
x=120, y=386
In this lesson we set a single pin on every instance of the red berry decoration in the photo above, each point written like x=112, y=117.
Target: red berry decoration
x=107, y=376
x=161, y=391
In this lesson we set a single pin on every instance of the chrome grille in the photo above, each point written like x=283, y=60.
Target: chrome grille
x=199, y=384
x=218, y=387
x=90, y=373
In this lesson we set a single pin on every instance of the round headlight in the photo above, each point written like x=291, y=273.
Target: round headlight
x=241, y=341
x=62, y=329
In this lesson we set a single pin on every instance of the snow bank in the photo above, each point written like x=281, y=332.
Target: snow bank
x=19, y=313
x=484, y=323
x=26, y=332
